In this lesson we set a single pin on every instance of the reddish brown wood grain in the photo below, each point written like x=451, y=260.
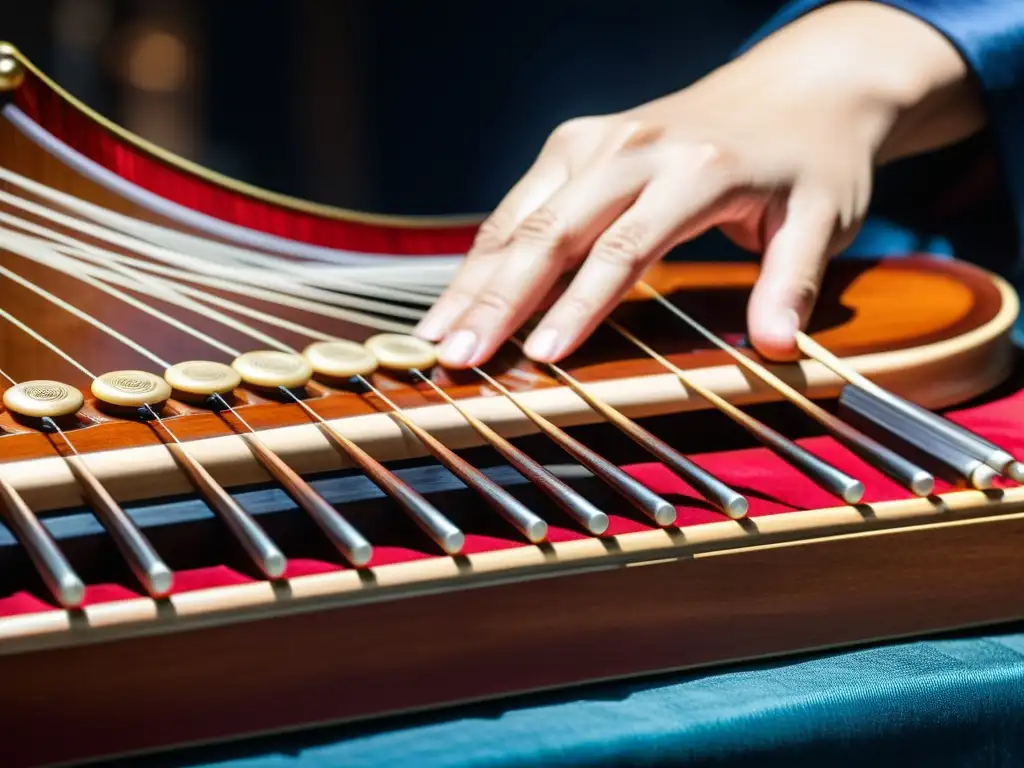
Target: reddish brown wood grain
x=436, y=649
x=596, y=361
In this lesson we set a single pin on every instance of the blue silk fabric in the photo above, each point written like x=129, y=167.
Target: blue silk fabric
x=951, y=702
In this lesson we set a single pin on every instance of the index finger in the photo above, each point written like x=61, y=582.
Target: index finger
x=669, y=211
x=546, y=176
x=536, y=257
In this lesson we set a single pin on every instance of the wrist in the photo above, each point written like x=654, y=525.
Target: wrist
x=896, y=74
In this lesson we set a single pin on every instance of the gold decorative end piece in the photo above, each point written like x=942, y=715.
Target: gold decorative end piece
x=12, y=72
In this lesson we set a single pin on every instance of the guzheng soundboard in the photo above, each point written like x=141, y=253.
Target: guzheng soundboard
x=238, y=496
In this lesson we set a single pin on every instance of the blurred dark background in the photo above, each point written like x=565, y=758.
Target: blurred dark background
x=407, y=107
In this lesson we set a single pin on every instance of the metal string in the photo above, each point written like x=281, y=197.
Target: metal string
x=47, y=420
x=68, y=358
x=174, y=295
x=239, y=277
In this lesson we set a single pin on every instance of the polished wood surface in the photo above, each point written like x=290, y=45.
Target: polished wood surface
x=440, y=648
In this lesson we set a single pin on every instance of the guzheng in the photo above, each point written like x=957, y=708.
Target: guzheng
x=239, y=497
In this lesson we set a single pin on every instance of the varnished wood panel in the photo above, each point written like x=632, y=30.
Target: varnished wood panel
x=467, y=644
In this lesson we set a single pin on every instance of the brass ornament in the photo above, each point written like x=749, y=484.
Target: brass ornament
x=12, y=73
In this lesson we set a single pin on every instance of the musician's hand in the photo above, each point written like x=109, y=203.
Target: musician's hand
x=776, y=148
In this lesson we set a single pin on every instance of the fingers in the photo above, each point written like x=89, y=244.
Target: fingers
x=670, y=210
x=570, y=148
x=469, y=281
x=791, y=273
x=548, y=174
x=538, y=252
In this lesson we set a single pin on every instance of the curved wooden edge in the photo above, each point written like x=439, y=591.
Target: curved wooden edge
x=935, y=375
x=191, y=168
x=248, y=602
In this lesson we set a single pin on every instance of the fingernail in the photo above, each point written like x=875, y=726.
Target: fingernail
x=542, y=344
x=431, y=327
x=458, y=348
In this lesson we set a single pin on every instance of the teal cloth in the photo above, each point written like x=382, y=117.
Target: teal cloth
x=957, y=701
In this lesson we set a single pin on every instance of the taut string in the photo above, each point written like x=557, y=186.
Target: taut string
x=68, y=307
x=55, y=260
x=963, y=439
x=722, y=496
x=830, y=478
x=430, y=520
x=356, y=278
x=928, y=436
x=356, y=549
x=151, y=571
x=77, y=250
x=637, y=494
x=254, y=540
x=576, y=506
x=186, y=265
x=504, y=503
x=240, y=270
x=900, y=469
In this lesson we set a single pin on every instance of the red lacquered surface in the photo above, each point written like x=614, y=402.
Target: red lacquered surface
x=354, y=232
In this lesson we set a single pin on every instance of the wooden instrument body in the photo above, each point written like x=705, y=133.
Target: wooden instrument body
x=252, y=658
x=233, y=654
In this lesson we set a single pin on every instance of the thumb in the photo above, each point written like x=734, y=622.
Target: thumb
x=791, y=274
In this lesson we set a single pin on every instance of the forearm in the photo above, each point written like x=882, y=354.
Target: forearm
x=883, y=65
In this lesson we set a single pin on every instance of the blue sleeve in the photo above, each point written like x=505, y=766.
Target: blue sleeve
x=989, y=35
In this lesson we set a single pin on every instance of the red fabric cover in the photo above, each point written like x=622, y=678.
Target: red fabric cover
x=772, y=486
x=49, y=110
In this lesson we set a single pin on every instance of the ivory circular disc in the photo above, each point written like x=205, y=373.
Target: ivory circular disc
x=340, y=359
x=400, y=352
x=272, y=369
x=202, y=377
x=131, y=388
x=41, y=398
